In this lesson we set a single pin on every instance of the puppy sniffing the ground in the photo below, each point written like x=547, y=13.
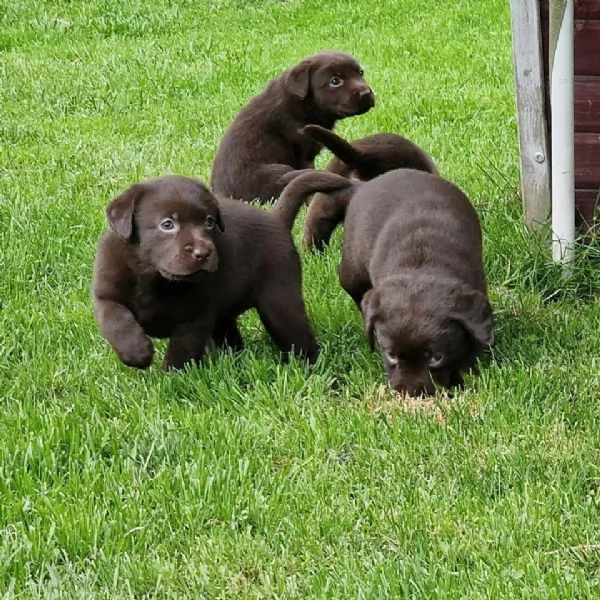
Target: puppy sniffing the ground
x=412, y=261
x=363, y=159
x=264, y=140
x=177, y=263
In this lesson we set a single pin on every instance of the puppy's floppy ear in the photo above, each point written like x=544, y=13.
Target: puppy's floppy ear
x=473, y=311
x=120, y=211
x=370, y=310
x=297, y=81
x=219, y=220
x=212, y=199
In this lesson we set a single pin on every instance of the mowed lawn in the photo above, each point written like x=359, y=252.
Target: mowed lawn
x=248, y=477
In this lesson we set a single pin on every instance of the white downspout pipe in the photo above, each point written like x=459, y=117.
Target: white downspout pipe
x=563, y=138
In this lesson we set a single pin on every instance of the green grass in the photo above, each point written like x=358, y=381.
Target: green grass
x=249, y=478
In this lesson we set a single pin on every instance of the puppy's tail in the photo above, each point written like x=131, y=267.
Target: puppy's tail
x=301, y=185
x=344, y=150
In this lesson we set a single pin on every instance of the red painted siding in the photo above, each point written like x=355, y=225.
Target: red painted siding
x=585, y=205
x=587, y=103
x=587, y=9
x=587, y=160
x=587, y=47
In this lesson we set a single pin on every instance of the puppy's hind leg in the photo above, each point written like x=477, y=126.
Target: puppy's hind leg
x=281, y=309
x=325, y=213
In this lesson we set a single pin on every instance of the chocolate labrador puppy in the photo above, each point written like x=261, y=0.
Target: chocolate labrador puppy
x=264, y=140
x=177, y=263
x=412, y=261
x=363, y=159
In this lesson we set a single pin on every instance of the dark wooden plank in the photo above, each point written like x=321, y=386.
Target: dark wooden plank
x=587, y=103
x=585, y=208
x=587, y=9
x=587, y=47
x=587, y=160
x=545, y=24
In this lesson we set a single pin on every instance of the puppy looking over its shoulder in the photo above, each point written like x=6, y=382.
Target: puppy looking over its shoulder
x=264, y=140
x=412, y=261
x=177, y=263
x=363, y=159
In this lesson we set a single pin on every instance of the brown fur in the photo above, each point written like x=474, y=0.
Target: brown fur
x=188, y=283
x=363, y=159
x=412, y=261
x=264, y=140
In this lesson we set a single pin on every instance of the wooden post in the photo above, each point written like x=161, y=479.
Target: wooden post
x=533, y=135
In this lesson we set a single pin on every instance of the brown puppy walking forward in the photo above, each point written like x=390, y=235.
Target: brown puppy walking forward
x=264, y=140
x=363, y=159
x=178, y=264
x=412, y=261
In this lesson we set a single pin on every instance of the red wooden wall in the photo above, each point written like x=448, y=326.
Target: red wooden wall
x=587, y=102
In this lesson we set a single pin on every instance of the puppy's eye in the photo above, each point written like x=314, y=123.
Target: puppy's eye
x=209, y=222
x=392, y=360
x=336, y=81
x=361, y=72
x=167, y=225
x=434, y=359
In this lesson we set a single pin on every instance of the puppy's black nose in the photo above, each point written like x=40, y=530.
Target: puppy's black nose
x=199, y=254
x=364, y=92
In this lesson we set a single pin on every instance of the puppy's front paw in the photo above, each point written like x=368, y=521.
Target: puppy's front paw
x=137, y=353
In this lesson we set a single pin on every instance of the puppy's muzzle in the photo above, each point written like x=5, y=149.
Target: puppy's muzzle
x=203, y=255
x=199, y=253
x=366, y=97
